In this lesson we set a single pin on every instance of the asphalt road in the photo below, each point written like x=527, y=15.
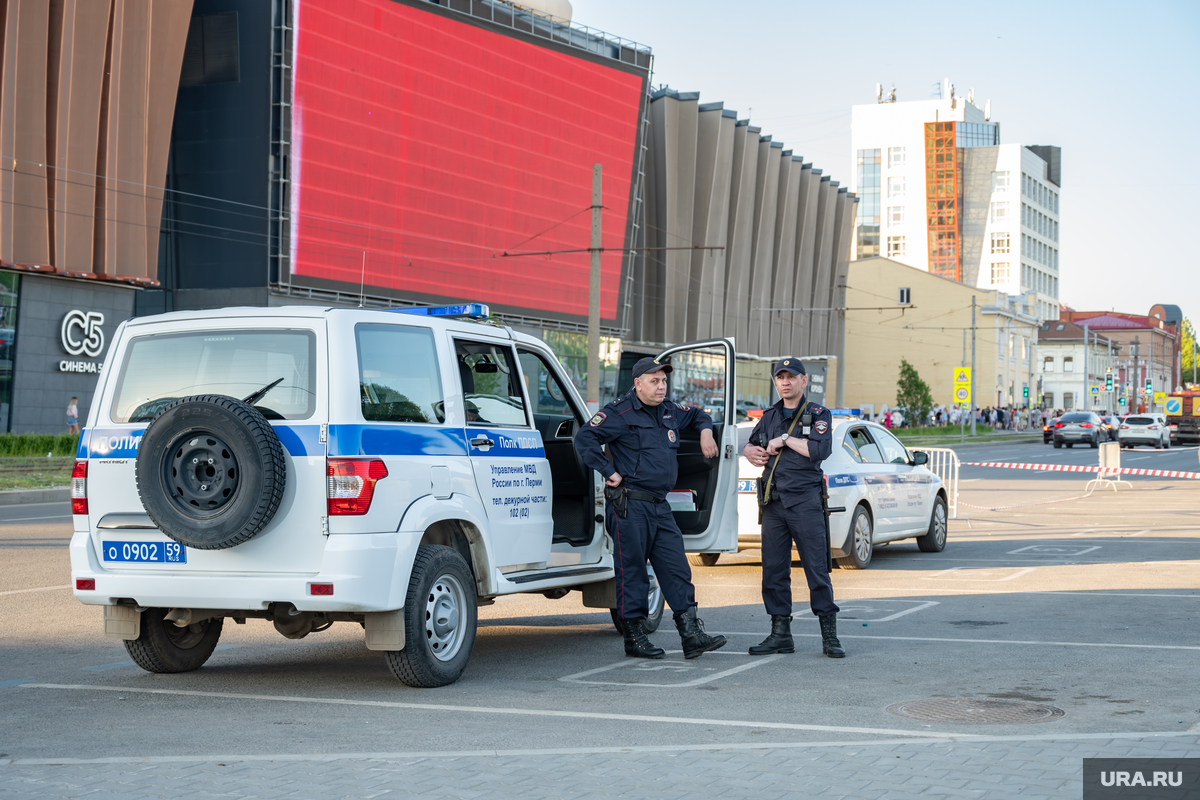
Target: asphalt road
x=1087, y=604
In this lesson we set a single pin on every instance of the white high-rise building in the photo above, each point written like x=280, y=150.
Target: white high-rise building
x=938, y=191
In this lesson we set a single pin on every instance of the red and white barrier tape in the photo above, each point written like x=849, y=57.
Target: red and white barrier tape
x=1158, y=473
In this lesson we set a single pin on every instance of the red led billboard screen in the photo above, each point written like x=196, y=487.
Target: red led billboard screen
x=425, y=145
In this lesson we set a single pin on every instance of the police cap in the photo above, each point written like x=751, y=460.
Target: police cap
x=792, y=365
x=648, y=364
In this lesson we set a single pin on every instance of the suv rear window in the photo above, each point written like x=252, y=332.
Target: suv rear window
x=1080, y=417
x=1139, y=421
x=161, y=369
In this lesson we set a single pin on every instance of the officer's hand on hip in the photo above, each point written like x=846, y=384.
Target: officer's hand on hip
x=755, y=455
x=614, y=480
x=708, y=445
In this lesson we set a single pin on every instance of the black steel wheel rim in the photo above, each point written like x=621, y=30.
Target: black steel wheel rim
x=200, y=473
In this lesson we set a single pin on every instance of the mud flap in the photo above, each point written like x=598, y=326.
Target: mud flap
x=385, y=630
x=122, y=622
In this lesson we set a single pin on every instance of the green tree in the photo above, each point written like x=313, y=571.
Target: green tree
x=913, y=395
x=1188, y=346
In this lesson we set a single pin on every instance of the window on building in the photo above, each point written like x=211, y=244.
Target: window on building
x=895, y=216
x=1000, y=272
x=1068, y=363
x=1000, y=181
x=905, y=296
x=896, y=157
x=1048, y=400
x=1048, y=364
x=896, y=187
x=1000, y=243
x=867, y=217
x=1068, y=401
x=895, y=246
x=1000, y=211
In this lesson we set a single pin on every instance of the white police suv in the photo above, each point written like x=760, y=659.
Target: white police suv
x=316, y=465
x=887, y=492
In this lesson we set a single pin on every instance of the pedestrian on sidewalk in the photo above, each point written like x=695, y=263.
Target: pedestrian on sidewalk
x=73, y=416
x=790, y=441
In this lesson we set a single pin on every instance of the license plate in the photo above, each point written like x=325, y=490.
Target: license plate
x=146, y=552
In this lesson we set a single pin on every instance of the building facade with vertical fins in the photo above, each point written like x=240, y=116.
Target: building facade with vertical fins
x=742, y=237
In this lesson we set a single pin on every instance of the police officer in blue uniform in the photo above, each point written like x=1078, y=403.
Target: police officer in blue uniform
x=642, y=431
x=790, y=441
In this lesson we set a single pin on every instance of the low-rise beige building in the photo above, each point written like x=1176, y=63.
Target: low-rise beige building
x=895, y=311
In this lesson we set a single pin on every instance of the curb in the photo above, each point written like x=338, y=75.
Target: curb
x=990, y=443
x=19, y=497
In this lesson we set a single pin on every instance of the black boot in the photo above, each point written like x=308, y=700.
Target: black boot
x=636, y=643
x=691, y=632
x=830, y=645
x=780, y=640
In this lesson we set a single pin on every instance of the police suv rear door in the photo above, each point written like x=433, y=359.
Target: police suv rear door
x=703, y=370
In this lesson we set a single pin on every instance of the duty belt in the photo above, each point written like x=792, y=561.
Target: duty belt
x=621, y=496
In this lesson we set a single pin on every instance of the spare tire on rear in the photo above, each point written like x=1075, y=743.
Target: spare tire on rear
x=210, y=471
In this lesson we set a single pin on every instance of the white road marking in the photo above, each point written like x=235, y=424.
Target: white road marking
x=526, y=712
x=27, y=519
x=924, y=739
x=39, y=589
x=849, y=605
x=1054, y=550
x=973, y=641
x=975, y=575
x=666, y=666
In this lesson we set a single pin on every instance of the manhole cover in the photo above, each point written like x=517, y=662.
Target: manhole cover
x=974, y=711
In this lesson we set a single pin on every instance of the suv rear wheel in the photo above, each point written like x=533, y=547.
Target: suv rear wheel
x=162, y=646
x=440, y=616
x=210, y=471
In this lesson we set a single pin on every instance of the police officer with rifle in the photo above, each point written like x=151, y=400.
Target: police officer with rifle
x=790, y=441
x=643, y=431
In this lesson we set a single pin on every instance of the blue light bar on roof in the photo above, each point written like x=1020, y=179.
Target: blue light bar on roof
x=845, y=412
x=470, y=310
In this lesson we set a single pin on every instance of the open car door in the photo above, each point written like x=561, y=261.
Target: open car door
x=703, y=376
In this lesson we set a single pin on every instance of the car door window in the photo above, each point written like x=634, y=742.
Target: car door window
x=542, y=387
x=853, y=442
x=868, y=451
x=491, y=388
x=398, y=376
x=893, y=451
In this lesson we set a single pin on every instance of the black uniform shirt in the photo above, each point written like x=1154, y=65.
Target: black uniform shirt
x=643, y=440
x=796, y=474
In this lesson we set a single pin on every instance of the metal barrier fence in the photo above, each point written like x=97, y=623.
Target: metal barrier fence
x=1110, y=467
x=944, y=463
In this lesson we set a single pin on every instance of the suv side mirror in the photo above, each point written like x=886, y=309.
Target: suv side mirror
x=920, y=458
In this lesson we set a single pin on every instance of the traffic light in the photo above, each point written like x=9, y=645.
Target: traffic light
x=1149, y=386
x=1122, y=402
x=1108, y=382
x=1025, y=391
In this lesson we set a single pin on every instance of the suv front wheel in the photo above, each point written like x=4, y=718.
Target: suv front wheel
x=440, y=616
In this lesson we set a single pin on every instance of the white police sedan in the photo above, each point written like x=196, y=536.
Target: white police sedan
x=887, y=492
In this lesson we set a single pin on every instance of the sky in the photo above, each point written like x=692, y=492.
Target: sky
x=1110, y=83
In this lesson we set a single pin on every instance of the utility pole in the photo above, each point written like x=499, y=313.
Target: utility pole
x=971, y=405
x=1109, y=370
x=593, y=362
x=1136, y=378
x=840, y=397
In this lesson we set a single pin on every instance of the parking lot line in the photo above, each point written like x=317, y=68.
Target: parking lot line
x=666, y=666
x=986, y=641
x=526, y=712
x=38, y=589
x=925, y=738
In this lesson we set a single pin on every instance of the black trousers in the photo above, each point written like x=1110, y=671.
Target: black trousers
x=649, y=533
x=804, y=524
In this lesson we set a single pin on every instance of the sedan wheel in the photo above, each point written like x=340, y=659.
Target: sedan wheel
x=861, y=544
x=935, y=540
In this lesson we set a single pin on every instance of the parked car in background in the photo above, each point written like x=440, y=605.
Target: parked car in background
x=1079, y=427
x=1048, y=430
x=1150, y=429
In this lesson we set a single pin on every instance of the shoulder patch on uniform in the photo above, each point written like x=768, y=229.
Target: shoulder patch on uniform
x=821, y=426
x=596, y=420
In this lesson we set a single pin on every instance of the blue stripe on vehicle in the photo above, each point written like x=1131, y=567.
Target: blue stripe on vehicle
x=114, y=442
x=300, y=440
x=396, y=440
x=518, y=444
x=748, y=486
x=844, y=480
x=81, y=450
